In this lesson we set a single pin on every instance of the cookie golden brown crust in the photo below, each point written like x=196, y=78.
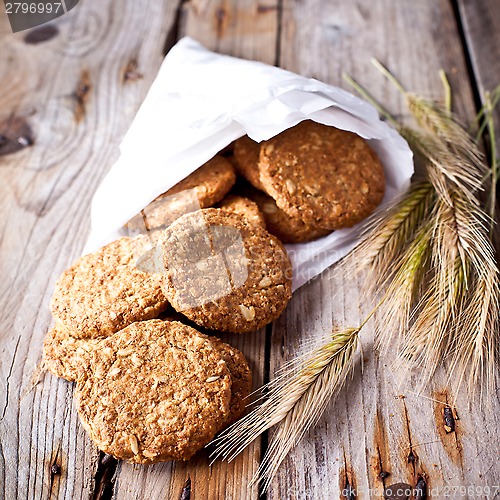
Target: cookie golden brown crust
x=327, y=177
x=288, y=229
x=64, y=355
x=209, y=183
x=241, y=377
x=104, y=292
x=225, y=273
x=155, y=391
x=246, y=160
x=244, y=207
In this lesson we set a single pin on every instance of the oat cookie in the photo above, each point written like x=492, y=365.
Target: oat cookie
x=327, y=177
x=285, y=227
x=155, y=391
x=64, y=355
x=104, y=292
x=241, y=377
x=245, y=207
x=246, y=160
x=203, y=188
x=224, y=272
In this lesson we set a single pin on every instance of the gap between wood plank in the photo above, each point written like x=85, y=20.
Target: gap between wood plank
x=478, y=103
x=279, y=13
x=264, y=443
x=269, y=328
x=174, y=33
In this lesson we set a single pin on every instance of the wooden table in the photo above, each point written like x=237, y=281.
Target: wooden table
x=69, y=93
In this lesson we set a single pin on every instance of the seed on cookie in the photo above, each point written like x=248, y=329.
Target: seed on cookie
x=227, y=295
x=104, y=292
x=248, y=312
x=290, y=186
x=134, y=445
x=135, y=418
x=348, y=177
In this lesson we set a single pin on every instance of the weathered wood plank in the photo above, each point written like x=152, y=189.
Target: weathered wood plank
x=243, y=29
x=377, y=434
x=480, y=20
x=77, y=92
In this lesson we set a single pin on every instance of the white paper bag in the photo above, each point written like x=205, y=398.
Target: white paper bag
x=199, y=103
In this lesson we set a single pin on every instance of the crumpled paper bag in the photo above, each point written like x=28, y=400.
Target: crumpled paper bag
x=202, y=101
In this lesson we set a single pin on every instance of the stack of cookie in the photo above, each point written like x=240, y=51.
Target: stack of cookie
x=147, y=390
x=211, y=247
x=154, y=391
x=300, y=185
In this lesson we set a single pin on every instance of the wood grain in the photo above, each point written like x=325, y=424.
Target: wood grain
x=243, y=29
x=73, y=95
x=66, y=102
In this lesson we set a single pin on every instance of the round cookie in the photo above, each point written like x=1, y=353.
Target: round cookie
x=241, y=377
x=155, y=391
x=225, y=273
x=288, y=229
x=246, y=160
x=64, y=355
x=327, y=177
x=104, y=292
x=209, y=184
x=244, y=207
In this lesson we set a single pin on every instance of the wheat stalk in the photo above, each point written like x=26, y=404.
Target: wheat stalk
x=432, y=252
x=439, y=121
x=491, y=101
x=296, y=399
x=404, y=285
x=426, y=341
x=457, y=315
x=387, y=233
x=474, y=355
x=443, y=167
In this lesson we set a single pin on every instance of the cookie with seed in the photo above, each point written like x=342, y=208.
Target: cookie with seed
x=225, y=273
x=241, y=378
x=244, y=207
x=64, y=355
x=104, y=292
x=155, y=391
x=327, y=177
x=287, y=228
x=203, y=188
x=246, y=160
